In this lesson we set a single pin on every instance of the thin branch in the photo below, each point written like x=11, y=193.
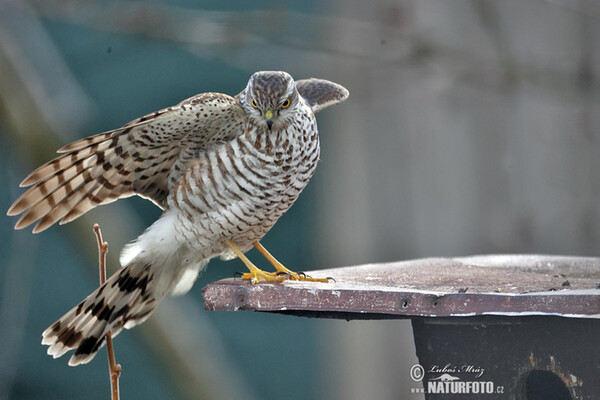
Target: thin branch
x=114, y=368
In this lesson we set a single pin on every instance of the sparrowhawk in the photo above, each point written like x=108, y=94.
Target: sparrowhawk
x=222, y=168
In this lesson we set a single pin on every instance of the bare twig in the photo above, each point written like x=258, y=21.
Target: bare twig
x=114, y=368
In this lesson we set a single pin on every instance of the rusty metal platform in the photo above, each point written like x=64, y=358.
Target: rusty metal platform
x=509, y=285
x=515, y=317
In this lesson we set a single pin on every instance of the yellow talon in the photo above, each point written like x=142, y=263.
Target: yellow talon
x=256, y=274
x=291, y=275
x=260, y=275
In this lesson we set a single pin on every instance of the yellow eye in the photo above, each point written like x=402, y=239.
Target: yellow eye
x=253, y=103
x=286, y=104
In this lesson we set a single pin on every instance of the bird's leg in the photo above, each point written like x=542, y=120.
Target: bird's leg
x=256, y=274
x=281, y=270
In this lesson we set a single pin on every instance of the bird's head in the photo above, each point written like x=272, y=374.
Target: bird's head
x=271, y=99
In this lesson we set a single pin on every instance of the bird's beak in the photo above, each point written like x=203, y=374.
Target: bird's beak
x=269, y=115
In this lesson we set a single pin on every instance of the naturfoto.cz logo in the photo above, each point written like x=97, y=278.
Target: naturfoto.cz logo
x=448, y=382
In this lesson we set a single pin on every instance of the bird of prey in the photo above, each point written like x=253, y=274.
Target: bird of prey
x=222, y=168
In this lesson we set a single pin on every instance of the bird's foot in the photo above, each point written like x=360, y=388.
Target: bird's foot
x=279, y=276
x=281, y=270
x=257, y=275
x=301, y=276
x=282, y=274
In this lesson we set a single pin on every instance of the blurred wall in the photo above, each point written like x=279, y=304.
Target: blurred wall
x=472, y=127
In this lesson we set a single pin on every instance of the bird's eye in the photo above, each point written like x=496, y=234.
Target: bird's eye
x=286, y=103
x=253, y=103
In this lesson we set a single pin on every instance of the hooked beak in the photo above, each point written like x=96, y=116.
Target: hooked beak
x=269, y=115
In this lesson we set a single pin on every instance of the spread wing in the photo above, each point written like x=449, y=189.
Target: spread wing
x=320, y=93
x=144, y=157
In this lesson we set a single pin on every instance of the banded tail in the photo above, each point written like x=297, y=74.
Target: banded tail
x=155, y=264
x=125, y=300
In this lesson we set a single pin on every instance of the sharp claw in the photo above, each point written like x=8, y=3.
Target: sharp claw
x=282, y=273
x=331, y=278
x=237, y=275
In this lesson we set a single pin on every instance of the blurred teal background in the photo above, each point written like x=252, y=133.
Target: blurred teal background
x=472, y=127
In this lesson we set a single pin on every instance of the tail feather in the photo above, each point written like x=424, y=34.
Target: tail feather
x=154, y=265
x=125, y=300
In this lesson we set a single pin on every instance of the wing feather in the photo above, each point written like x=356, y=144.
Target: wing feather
x=64, y=207
x=136, y=159
x=320, y=93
